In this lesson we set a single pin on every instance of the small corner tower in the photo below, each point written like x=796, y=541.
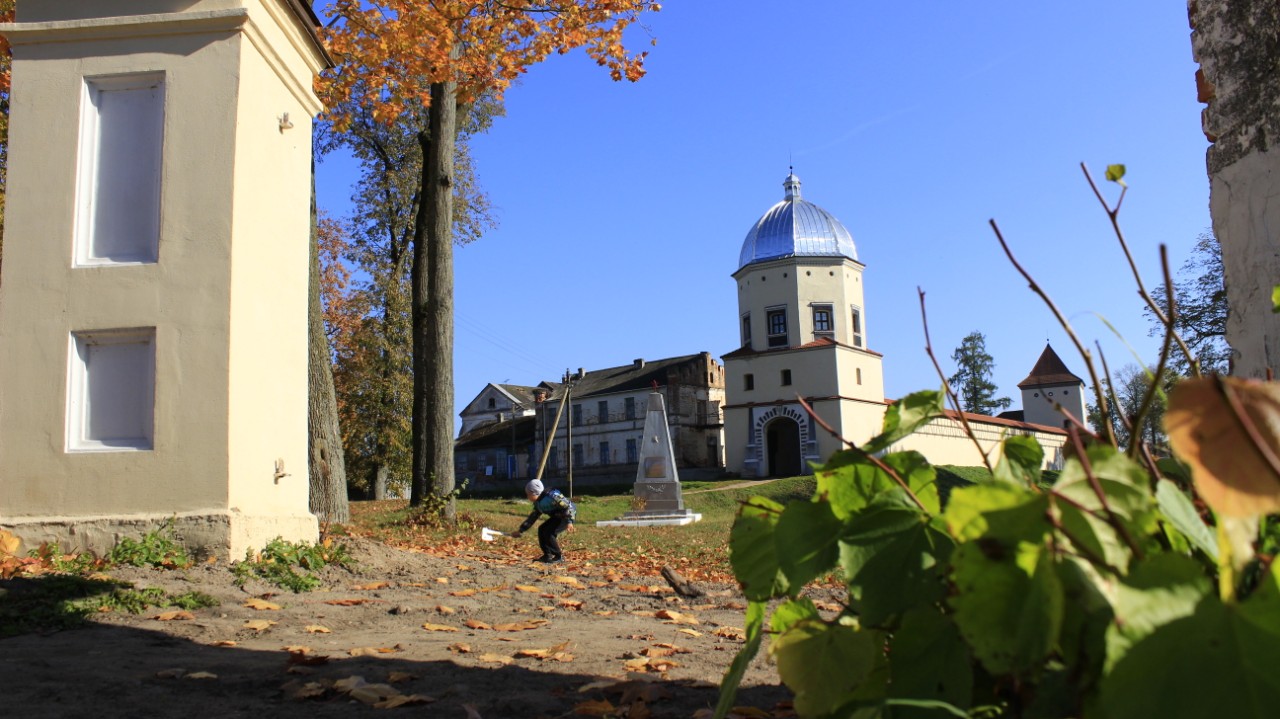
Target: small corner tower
x=803, y=328
x=153, y=310
x=1050, y=385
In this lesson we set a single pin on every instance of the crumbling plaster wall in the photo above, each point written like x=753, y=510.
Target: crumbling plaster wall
x=1237, y=44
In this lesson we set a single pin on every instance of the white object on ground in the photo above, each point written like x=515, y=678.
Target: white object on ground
x=487, y=535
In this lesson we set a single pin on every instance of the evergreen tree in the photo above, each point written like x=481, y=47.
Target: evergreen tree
x=972, y=380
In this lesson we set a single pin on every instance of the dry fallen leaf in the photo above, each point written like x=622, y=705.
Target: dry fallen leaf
x=520, y=626
x=460, y=648
x=491, y=658
x=316, y=629
x=372, y=651
x=605, y=613
x=200, y=675
x=690, y=632
x=462, y=567
x=598, y=684
x=261, y=605
x=532, y=653
x=595, y=708
x=1236, y=471
x=442, y=580
x=527, y=588
x=729, y=632
x=258, y=625
x=303, y=659
x=349, y=602
x=349, y=683
x=402, y=700
x=676, y=617
x=438, y=627
x=309, y=690
x=463, y=593
x=373, y=693
x=9, y=543
x=442, y=609
x=371, y=586
x=574, y=604
x=226, y=643
x=175, y=616
x=570, y=581
x=397, y=677
x=477, y=624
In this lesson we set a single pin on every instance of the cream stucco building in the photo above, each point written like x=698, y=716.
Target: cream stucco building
x=804, y=330
x=153, y=345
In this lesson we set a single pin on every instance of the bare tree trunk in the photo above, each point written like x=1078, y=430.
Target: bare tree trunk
x=327, y=471
x=433, y=305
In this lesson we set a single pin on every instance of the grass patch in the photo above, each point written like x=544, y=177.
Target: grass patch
x=54, y=602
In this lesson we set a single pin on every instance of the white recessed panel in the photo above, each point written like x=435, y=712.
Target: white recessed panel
x=121, y=143
x=111, y=390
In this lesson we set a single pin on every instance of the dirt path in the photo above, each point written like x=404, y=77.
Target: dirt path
x=504, y=638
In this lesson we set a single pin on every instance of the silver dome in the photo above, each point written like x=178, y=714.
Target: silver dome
x=795, y=227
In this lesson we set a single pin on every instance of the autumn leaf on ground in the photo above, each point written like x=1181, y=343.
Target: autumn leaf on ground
x=597, y=584
x=442, y=609
x=301, y=656
x=438, y=627
x=200, y=675
x=300, y=691
x=350, y=602
x=605, y=613
x=316, y=629
x=170, y=673
x=371, y=586
x=491, y=658
x=520, y=626
x=397, y=677
x=347, y=684
x=663, y=650
x=595, y=708
x=442, y=580
x=462, y=567
x=574, y=604
x=175, y=616
x=690, y=632
x=676, y=617
x=403, y=700
x=261, y=605
x=460, y=648
x=527, y=588
x=9, y=543
x=259, y=625
x=463, y=593
x=729, y=632
x=373, y=693
x=477, y=624
x=373, y=651
x=570, y=581
x=225, y=643
x=532, y=653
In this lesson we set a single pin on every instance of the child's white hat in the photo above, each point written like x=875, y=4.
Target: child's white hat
x=533, y=487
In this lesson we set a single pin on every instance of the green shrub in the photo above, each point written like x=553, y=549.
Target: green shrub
x=290, y=565
x=157, y=548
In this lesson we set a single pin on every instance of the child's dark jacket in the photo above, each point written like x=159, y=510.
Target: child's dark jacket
x=552, y=503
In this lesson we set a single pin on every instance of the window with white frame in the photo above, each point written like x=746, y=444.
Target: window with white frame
x=111, y=382
x=776, y=320
x=855, y=326
x=746, y=330
x=117, y=218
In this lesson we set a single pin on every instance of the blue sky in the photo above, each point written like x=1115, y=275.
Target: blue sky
x=622, y=207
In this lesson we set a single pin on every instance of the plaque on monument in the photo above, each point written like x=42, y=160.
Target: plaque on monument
x=657, y=500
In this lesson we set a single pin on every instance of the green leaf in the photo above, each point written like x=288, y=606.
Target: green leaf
x=1219, y=661
x=906, y=416
x=1173, y=469
x=792, y=611
x=919, y=475
x=1161, y=589
x=1115, y=173
x=1020, y=461
x=1126, y=486
x=1181, y=513
x=1086, y=617
x=891, y=555
x=1005, y=511
x=1275, y=298
x=738, y=667
x=1008, y=603
x=851, y=484
x=824, y=664
x=930, y=662
x=753, y=552
x=806, y=541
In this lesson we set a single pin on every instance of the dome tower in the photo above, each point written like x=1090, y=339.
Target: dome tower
x=803, y=331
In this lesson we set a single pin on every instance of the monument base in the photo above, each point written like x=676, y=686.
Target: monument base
x=652, y=519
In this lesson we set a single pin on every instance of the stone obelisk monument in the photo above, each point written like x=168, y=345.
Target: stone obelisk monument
x=657, y=499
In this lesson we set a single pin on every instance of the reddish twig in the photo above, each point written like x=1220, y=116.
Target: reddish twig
x=946, y=386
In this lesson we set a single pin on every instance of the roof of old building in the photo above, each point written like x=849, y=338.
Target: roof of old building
x=1049, y=369
x=640, y=374
x=795, y=227
x=310, y=24
x=521, y=393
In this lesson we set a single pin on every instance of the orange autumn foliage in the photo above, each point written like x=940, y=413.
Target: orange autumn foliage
x=389, y=52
